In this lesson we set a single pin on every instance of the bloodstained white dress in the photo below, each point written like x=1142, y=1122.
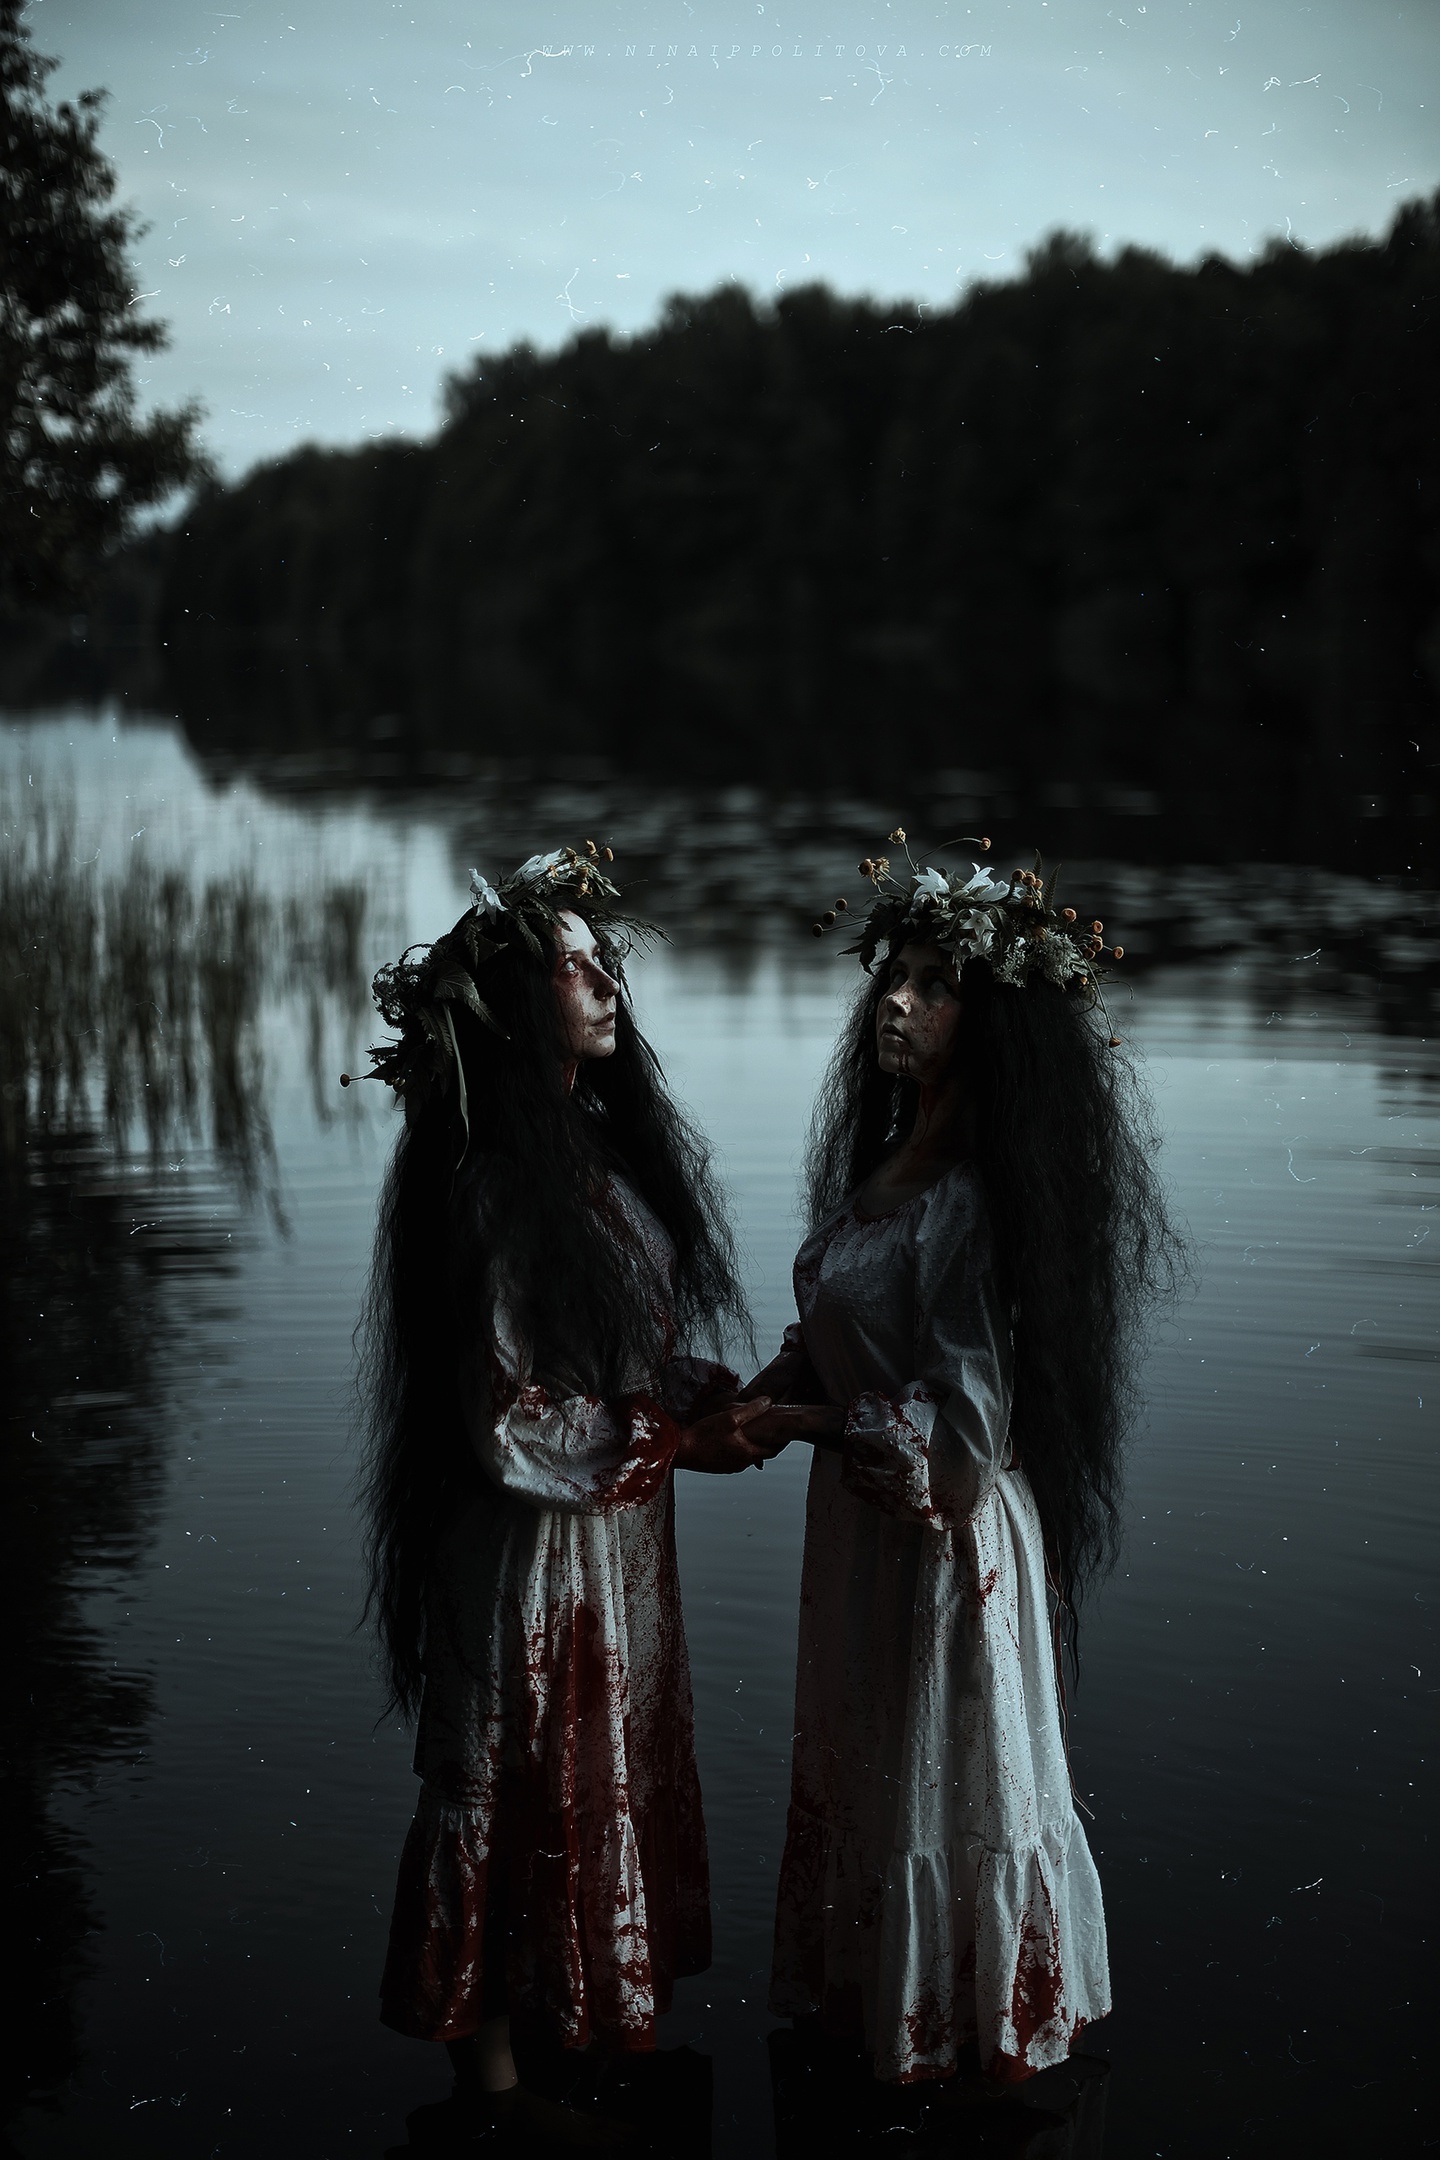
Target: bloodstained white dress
x=556, y=1866
x=936, y=1885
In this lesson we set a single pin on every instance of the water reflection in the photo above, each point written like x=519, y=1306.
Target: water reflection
x=826, y=2101
x=741, y=869
x=97, y=1270
x=663, y=2099
x=130, y=1013
x=1252, y=1715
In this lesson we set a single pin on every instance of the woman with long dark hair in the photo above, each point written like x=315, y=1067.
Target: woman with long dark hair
x=549, y=1237
x=987, y=1229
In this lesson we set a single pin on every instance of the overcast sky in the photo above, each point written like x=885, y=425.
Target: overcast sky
x=348, y=198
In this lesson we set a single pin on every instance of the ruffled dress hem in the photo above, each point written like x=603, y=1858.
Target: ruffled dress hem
x=475, y=1934
x=1005, y=1948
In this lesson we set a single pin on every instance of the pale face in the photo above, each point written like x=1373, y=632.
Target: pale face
x=585, y=994
x=919, y=1015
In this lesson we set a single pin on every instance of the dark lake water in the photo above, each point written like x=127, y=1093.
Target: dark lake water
x=203, y=1813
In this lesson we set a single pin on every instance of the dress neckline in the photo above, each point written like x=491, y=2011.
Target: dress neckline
x=863, y=1215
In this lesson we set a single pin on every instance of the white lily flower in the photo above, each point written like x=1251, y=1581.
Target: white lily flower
x=931, y=885
x=983, y=890
x=978, y=935
x=483, y=897
x=539, y=866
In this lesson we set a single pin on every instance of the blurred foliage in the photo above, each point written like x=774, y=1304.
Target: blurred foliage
x=1174, y=528
x=77, y=460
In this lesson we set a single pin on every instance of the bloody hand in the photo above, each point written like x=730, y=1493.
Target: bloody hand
x=720, y=1443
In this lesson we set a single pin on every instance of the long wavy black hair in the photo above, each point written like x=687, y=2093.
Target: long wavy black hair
x=522, y=1204
x=1065, y=1146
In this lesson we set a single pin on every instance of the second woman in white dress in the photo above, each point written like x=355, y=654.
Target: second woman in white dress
x=986, y=1227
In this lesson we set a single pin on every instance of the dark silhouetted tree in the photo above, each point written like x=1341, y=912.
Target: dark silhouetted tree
x=1115, y=529
x=77, y=458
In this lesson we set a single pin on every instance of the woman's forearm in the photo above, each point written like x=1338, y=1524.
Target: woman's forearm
x=771, y=1379
x=789, y=1377
x=821, y=1423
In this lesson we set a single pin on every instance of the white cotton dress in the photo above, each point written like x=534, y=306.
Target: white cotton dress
x=556, y=1866
x=936, y=1885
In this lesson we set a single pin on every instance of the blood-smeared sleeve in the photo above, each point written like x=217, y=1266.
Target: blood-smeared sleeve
x=932, y=1451
x=576, y=1453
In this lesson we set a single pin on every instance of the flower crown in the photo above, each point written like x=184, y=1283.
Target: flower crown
x=1011, y=924
x=417, y=993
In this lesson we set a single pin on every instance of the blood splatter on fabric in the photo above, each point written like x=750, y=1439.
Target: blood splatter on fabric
x=556, y=1866
x=936, y=1885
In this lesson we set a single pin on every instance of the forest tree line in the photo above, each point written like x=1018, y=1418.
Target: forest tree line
x=1172, y=526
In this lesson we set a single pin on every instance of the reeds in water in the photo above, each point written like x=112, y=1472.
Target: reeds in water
x=133, y=1000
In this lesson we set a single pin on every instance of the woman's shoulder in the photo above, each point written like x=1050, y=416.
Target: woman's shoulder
x=953, y=1210
x=958, y=1186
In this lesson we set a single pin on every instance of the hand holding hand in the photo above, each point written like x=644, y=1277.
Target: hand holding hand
x=788, y=1378
x=722, y=1444
x=821, y=1422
